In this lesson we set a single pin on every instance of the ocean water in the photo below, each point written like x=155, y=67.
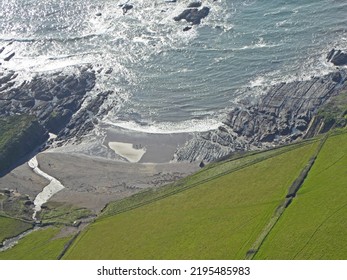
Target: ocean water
x=164, y=79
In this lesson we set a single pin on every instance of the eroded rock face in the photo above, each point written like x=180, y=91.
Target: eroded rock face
x=281, y=116
x=52, y=98
x=55, y=98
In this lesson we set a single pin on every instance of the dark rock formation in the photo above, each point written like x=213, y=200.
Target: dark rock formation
x=195, y=5
x=285, y=113
x=187, y=28
x=55, y=99
x=8, y=58
x=194, y=16
x=126, y=8
x=84, y=120
x=108, y=71
x=52, y=98
x=337, y=57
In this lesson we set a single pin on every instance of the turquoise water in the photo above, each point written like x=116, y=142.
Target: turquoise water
x=165, y=79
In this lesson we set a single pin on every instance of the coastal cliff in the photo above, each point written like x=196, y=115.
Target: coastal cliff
x=287, y=112
x=19, y=136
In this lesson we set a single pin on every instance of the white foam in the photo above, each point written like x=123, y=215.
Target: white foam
x=260, y=43
x=258, y=81
x=43, y=63
x=168, y=127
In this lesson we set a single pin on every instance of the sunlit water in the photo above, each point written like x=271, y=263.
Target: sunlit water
x=165, y=79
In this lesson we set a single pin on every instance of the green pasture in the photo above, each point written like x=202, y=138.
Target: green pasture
x=217, y=216
x=314, y=225
x=42, y=244
x=12, y=227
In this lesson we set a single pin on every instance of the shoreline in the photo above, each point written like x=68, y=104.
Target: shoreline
x=147, y=147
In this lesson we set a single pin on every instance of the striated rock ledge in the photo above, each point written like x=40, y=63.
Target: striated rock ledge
x=284, y=114
x=58, y=99
x=52, y=98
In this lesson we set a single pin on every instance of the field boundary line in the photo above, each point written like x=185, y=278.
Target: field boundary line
x=292, y=191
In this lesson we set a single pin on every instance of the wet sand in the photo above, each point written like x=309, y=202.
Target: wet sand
x=93, y=174
x=118, y=165
x=93, y=182
x=159, y=148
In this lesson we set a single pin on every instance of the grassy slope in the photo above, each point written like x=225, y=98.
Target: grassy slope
x=314, y=225
x=61, y=214
x=19, y=135
x=218, y=219
x=11, y=227
x=212, y=171
x=39, y=245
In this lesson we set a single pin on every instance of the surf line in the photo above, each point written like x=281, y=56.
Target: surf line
x=48, y=191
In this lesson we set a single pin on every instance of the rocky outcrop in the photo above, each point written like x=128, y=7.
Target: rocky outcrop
x=54, y=98
x=337, y=57
x=126, y=8
x=86, y=118
x=282, y=115
x=64, y=102
x=193, y=15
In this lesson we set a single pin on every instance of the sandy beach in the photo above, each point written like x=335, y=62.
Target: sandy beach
x=123, y=163
x=153, y=147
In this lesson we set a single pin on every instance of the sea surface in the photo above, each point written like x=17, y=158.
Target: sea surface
x=165, y=79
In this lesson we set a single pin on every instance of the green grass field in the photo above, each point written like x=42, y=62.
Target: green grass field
x=12, y=227
x=42, y=244
x=210, y=172
x=218, y=213
x=61, y=214
x=314, y=225
x=218, y=218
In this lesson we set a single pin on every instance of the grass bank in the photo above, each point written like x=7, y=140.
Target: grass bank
x=210, y=216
